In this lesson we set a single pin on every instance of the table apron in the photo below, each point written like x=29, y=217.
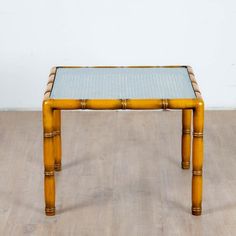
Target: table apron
x=112, y=104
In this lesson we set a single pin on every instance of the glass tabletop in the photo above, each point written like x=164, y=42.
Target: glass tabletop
x=122, y=83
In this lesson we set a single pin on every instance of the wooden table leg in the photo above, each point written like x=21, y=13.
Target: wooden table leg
x=198, y=125
x=57, y=139
x=186, y=137
x=49, y=179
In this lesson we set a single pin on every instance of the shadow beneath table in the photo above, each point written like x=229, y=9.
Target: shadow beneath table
x=176, y=161
x=213, y=210
x=74, y=163
x=178, y=205
x=98, y=198
x=226, y=207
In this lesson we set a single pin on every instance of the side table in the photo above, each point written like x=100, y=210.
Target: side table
x=133, y=87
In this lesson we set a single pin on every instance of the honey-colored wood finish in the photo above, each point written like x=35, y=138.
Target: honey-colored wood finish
x=57, y=138
x=49, y=160
x=52, y=130
x=198, y=124
x=186, y=137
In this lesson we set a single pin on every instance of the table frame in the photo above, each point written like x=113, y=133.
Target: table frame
x=52, y=130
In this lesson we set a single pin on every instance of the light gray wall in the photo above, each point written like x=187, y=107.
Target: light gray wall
x=35, y=35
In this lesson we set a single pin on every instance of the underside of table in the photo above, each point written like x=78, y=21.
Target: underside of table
x=134, y=87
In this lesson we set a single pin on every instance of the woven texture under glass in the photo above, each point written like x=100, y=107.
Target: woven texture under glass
x=122, y=83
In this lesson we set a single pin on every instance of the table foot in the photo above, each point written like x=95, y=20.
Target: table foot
x=196, y=211
x=185, y=165
x=57, y=167
x=50, y=211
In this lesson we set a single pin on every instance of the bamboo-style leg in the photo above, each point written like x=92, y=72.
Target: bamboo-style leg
x=198, y=125
x=49, y=180
x=186, y=137
x=57, y=139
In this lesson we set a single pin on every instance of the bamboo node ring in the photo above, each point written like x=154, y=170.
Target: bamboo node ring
x=48, y=135
x=52, y=73
x=83, y=103
x=49, y=173
x=198, y=134
x=197, y=172
x=186, y=131
x=47, y=91
x=124, y=103
x=56, y=132
x=197, y=90
x=164, y=104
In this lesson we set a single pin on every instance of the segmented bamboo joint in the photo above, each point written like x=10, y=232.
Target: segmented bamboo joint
x=49, y=88
x=52, y=73
x=164, y=104
x=195, y=87
x=197, y=172
x=194, y=82
x=124, y=103
x=56, y=132
x=49, y=173
x=53, y=70
x=198, y=95
x=83, y=103
x=192, y=78
x=186, y=131
x=47, y=94
x=51, y=79
x=198, y=134
x=48, y=135
x=190, y=70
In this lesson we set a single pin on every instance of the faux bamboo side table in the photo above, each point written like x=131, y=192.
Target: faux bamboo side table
x=134, y=87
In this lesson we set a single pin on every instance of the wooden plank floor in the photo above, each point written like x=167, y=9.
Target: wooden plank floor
x=121, y=176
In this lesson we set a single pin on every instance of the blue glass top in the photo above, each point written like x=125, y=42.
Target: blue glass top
x=122, y=83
